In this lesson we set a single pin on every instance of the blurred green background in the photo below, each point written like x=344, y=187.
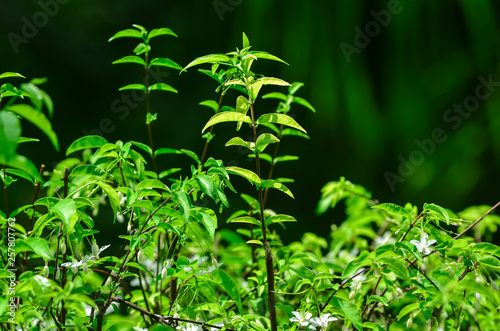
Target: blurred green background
x=381, y=75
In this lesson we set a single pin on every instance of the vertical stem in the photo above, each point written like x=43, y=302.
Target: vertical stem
x=267, y=247
x=150, y=132
x=271, y=168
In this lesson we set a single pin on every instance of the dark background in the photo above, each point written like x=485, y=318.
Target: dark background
x=371, y=107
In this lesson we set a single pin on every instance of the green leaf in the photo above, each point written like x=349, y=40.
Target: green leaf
x=255, y=242
x=11, y=74
x=275, y=95
x=206, y=185
x=440, y=211
x=22, y=163
x=411, y=248
x=86, y=142
x=151, y=183
x=226, y=116
x=142, y=146
x=211, y=58
x=245, y=173
x=304, y=103
x=272, y=81
x=302, y=271
x=19, y=173
x=133, y=87
x=408, y=309
x=237, y=141
x=209, y=223
x=191, y=154
x=264, y=140
x=165, y=173
x=10, y=132
x=210, y=104
x=279, y=219
x=126, y=33
x=487, y=248
x=278, y=186
x=246, y=219
x=293, y=132
x=164, y=62
x=373, y=326
x=66, y=211
x=35, y=95
x=26, y=140
x=151, y=118
x=285, y=158
x=280, y=119
x=394, y=209
x=183, y=199
x=87, y=170
x=130, y=59
x=376, y=298
x=231, y=288
x=114, y=199
x=266, y=56
x=397, y=266
x=246, y=42
x=161, y=32
x=490, y=261
x=350, y=311
x=162, y=87
x=40, y=247
x=164, y=150
x=295, y=87
x=38, y=119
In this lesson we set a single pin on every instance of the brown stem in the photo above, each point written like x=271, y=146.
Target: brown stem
x=267, y=247
x=342, y=286
x=478, y=220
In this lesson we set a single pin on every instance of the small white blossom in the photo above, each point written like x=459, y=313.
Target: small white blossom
x=322, y=322
x=304, y=320
x=423, y=244
x=478, y=297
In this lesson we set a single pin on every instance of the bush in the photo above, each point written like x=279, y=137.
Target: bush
x=386, y=267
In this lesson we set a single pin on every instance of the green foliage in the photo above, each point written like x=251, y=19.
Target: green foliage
x=384, y=267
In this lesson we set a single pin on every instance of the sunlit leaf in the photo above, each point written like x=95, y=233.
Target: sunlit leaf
x=280, y=119
x=126, y=33
x=164, y=62
x=91, y=141
x=227, y=117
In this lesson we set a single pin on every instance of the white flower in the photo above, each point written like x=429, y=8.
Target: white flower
x=423, y=244
x=304, y=320
x=383, y=240
x=322, y=322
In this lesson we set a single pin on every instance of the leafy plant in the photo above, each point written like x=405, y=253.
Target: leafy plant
x=170, y=267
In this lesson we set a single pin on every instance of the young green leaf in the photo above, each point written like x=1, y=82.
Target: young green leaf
x=304, y=103
x=275, y=95
x=22, y=163
x=231, y=288
x=130, y=59
x=394, y=209
x=237, y=141
x=133, y=87
x=114, y=199
x=271, y=183
x=161, y=32
x=164, y=62
x=162, y=87
x=11, y=74
x=87, y=170
x=285, y=158
x=280, y=119
x=40, y=247
x=408, y=309
x=264, y=140
x=206, y=185
x=226, y=117
x=66, y=211
x=10, y=132
x=350, y=311
x=272, y=81
x=151, y=183
x=266, y=56
x=185, y=203
x=279, y=219
x=211, y=58
x=440, y=211
x=210, y=104
x=246, y=42
x=142, y=146
x=245, y=173
x=246, y=219
x=37, y=118
x=126, y=33
x=91, y=141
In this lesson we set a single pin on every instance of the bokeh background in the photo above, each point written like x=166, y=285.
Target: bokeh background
x=381, y=75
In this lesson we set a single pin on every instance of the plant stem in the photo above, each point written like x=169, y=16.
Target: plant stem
x=5, y=198
x=267, y=247
x=478, y=220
